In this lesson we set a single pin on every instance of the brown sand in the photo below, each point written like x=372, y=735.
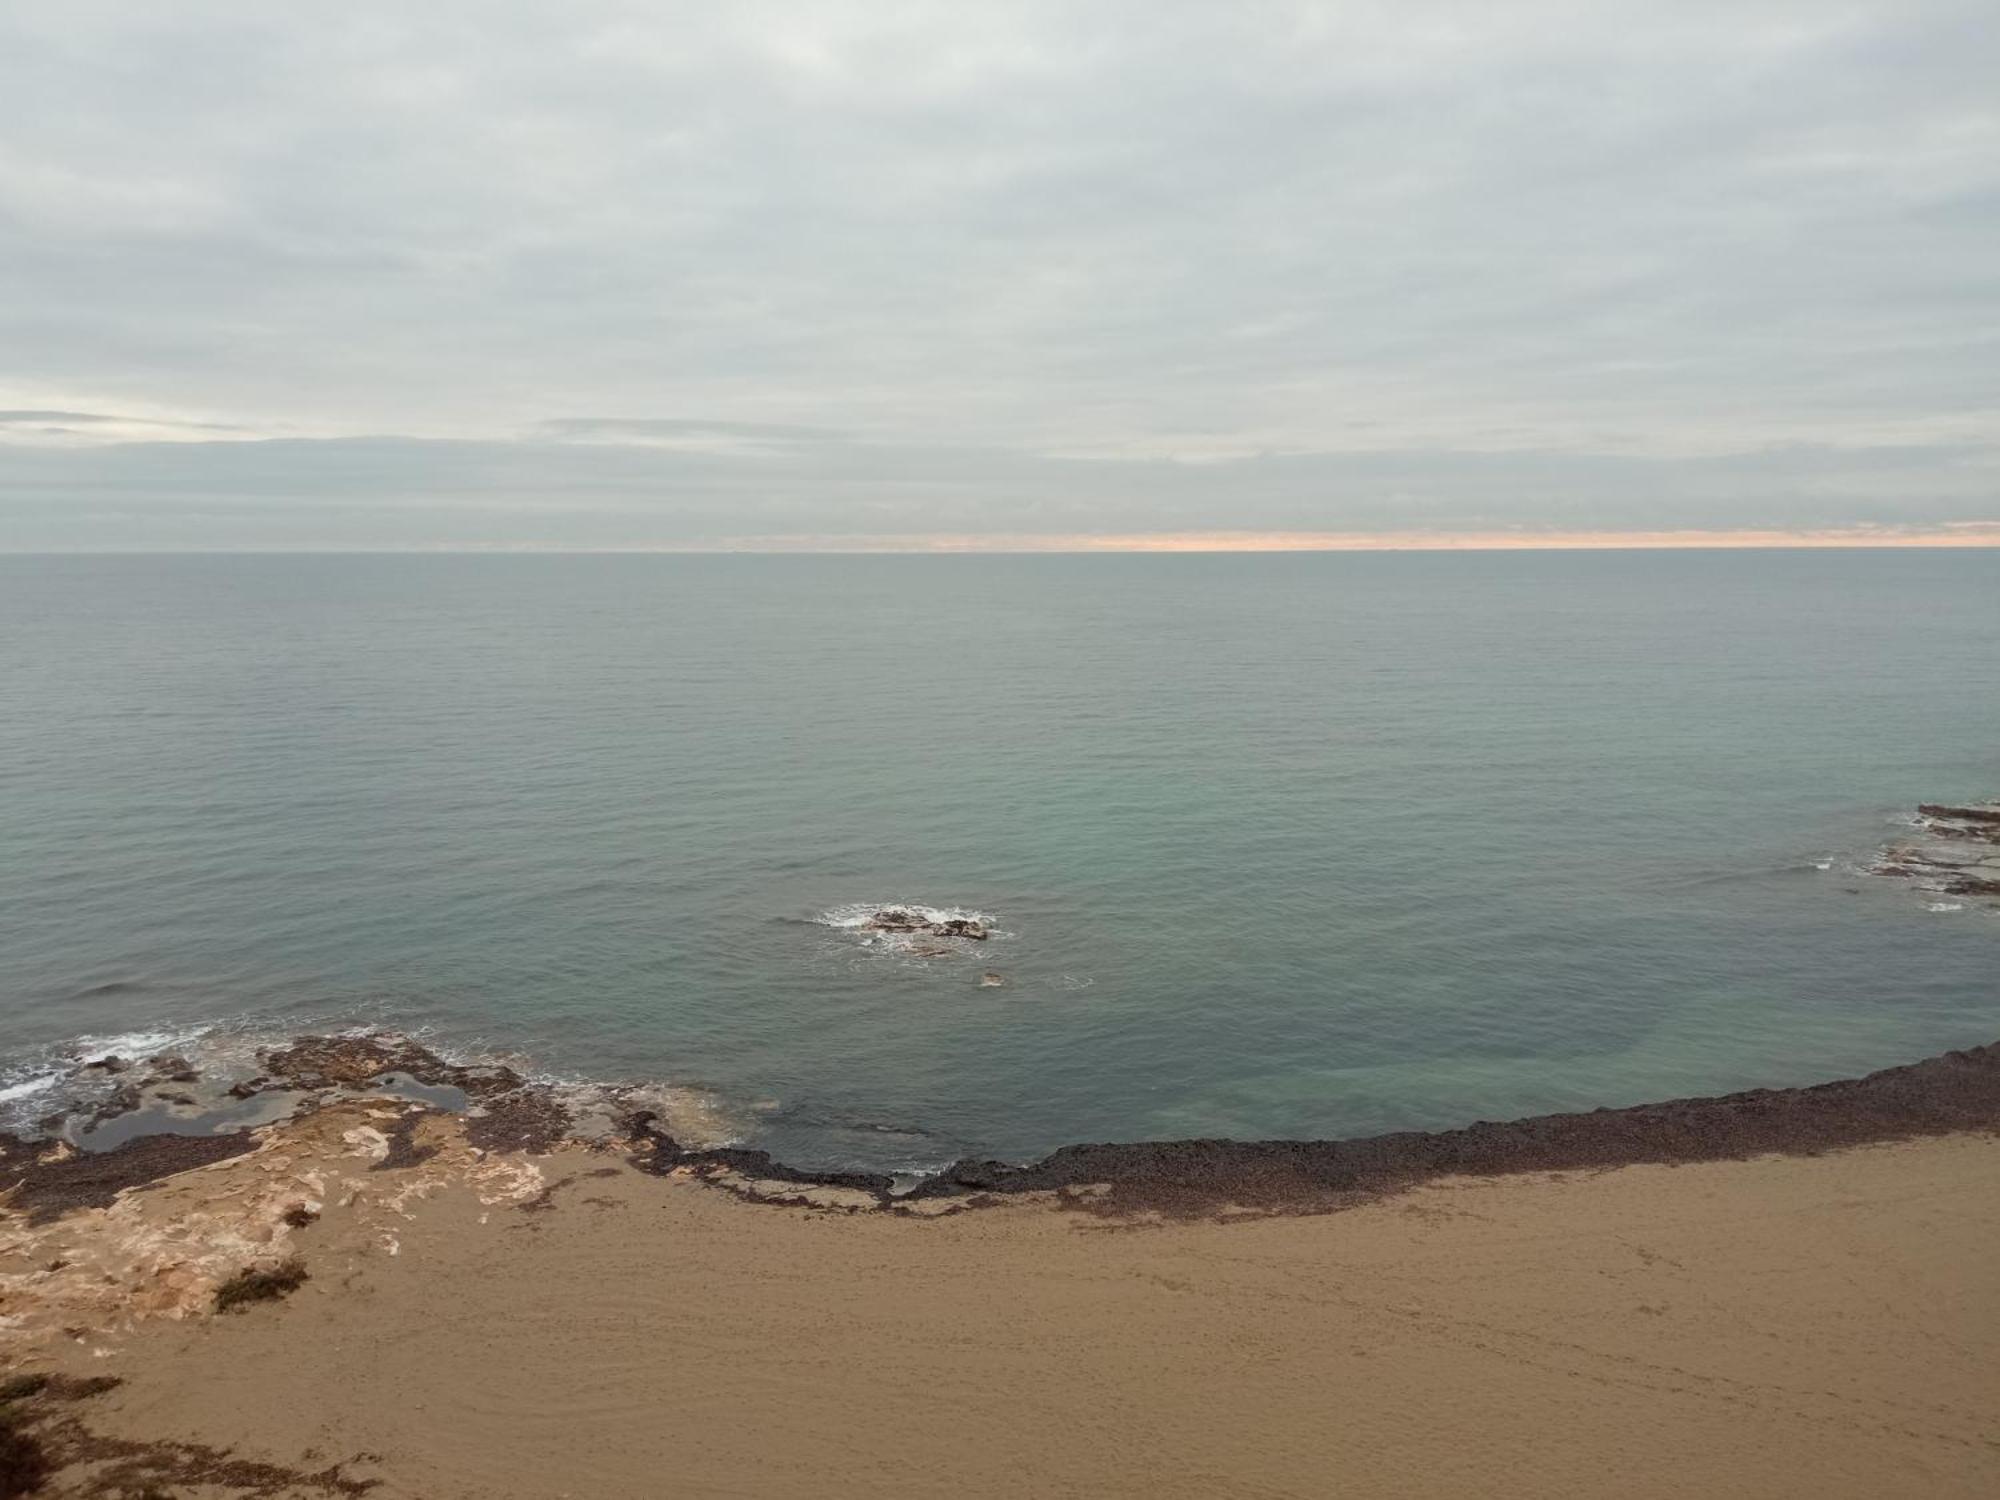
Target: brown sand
x=1824, y=1326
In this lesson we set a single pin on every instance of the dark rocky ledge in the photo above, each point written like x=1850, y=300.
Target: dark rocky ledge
x=659, y=1153
x=1984, y=816
x=1944, y=1095
x=318, y=1062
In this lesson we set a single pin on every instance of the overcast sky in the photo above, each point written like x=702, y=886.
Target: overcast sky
x=596, y=274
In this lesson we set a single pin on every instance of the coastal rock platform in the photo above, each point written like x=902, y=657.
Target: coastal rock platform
x=1956, y=852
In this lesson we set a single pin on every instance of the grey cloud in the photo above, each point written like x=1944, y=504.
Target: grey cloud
x=742, y=436
x=1609, y=263
x=68, y=419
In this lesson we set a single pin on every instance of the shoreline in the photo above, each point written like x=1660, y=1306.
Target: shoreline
x=1779, y=1292
x=1949, y=1093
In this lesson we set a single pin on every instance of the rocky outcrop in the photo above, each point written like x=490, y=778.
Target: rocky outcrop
x=1957, y=855
x=1987, y=817
x=330, y=1061
x=897, y=919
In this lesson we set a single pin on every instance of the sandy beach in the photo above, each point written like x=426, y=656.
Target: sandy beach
x=512, y=1323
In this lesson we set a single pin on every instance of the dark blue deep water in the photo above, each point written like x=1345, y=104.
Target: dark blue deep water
x=1280, y=845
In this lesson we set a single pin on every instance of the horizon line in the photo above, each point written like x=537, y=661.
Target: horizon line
x=1956, y=535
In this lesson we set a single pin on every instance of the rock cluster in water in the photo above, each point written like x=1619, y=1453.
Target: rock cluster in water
x=1958, y=856
x=896, y=919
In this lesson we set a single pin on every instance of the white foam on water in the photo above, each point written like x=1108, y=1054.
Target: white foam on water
x=907, y=1179
x=57, y=1065
x=32, y=1085
x=133, y=1045
x=1944, y=906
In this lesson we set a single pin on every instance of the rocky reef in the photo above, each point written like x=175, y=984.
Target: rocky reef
x=1956, y=853
x=900, y=920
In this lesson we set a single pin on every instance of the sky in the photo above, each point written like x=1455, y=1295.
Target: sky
x=613, y=275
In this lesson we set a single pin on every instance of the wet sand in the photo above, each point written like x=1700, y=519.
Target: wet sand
x=510, y=1325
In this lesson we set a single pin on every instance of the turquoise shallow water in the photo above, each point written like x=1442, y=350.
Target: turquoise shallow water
x=1281, y=845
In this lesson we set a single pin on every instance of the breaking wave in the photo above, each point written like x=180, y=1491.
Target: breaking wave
x=51, y=1070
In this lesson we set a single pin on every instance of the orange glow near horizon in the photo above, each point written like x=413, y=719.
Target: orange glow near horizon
x=1966, y=534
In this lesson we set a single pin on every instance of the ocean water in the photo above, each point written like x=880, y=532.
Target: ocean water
x=1298, y=845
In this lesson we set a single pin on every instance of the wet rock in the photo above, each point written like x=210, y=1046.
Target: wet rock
x=508, y=1112
x=528, y=1118
x=1985, y=816
x=248, y=1088
x=122, y=1100
x=1957, y=856
x=654, y=1151
x=112, y=1063
x=991, y=981
x=318, y=1062
x=896, y=919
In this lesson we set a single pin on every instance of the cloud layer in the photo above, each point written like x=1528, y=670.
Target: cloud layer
x=617, y=274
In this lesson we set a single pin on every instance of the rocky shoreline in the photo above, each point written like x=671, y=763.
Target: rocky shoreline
x=1958, y=853
x=388, y=1146
x=498, y=1112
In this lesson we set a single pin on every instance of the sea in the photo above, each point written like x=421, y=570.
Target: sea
x=1282, y=845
